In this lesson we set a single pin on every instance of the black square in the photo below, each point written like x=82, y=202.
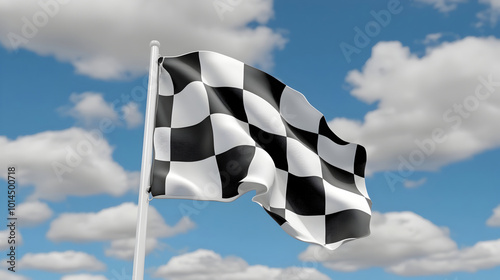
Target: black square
x=360, y=161
x=273, y=144
x=325, y=130
x=263, y=85
x=305, y=195
x=226, y=100
x=277, y=215
x=346, y=224
x=338, y=177
x=183, y=70
x=192, y=143
x=233, y=167
x=159, y=172
x=164, y=111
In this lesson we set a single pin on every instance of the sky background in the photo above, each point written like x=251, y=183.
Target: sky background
x=416, y=82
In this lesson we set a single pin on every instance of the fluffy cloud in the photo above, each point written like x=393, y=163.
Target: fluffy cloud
x=124, y=248
x=494, y=220
x=443, y=6
x=32, y=213
x=406, y=244
x=112, y=223
x=413, y=184
x=4, y=238
x=91, y=110
x=61, y=262
x=206, y=265
x=110, y=39
x=482, y=255
x=116, y=224
x=131, y=115
x=5, y=274
x=431, y=110
x=489, y=15
x=84, y=277
x=67, y=162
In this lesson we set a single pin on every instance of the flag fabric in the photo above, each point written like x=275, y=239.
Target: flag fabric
x=223, y=128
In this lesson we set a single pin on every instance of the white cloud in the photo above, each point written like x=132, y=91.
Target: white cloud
x=483, y=255
x=110, y=39
x=124, y=248
x=413, y=184
x=207, y=265
x=432, y=38
x=67, y=162
x=32, y=213
x=61, y=262
x=443, y=6
x=494, y=220
x=406, y=244
x=432, y=110
x=489, y=15
x=132, y=116
x=5, y=274
x=84, y=277
x=90, y=108
x=92, y=111
x=4, y=239
x=118, y=222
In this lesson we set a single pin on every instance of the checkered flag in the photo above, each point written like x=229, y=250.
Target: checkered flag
x=224, y=128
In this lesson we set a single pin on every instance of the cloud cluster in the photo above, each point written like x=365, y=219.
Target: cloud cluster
x=91, y=110
x=206, y=265
x=431, y=110
x=443, y=6
x=5, y=274
x=116, y=224
x=406, y=244
x=32, y=213
x=4, y=239
x=109, y=40
x=67, y=162
x=84, y=277
x=494, y=220
x=61, y=262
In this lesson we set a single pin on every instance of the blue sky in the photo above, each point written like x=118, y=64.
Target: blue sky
x=415, y=82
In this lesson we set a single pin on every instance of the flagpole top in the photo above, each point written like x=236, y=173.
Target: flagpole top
x=154, y=43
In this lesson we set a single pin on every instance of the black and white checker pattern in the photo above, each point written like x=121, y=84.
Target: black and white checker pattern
x=224, y=128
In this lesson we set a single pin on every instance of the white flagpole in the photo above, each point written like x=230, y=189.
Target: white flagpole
x=147, y=154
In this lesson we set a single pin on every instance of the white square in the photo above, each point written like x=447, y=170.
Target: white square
x=338, y=199
x=301, y=160
x=161, y=142
x=341, y=156
x=360, y=184
x=218, y=70
x=190, y=105
x=199, y=180
x=262, y=114
x=165, y=85
x=308, y=228
x=297, y=111
x=261, y=171
x=276, y=183
x=229, y=133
